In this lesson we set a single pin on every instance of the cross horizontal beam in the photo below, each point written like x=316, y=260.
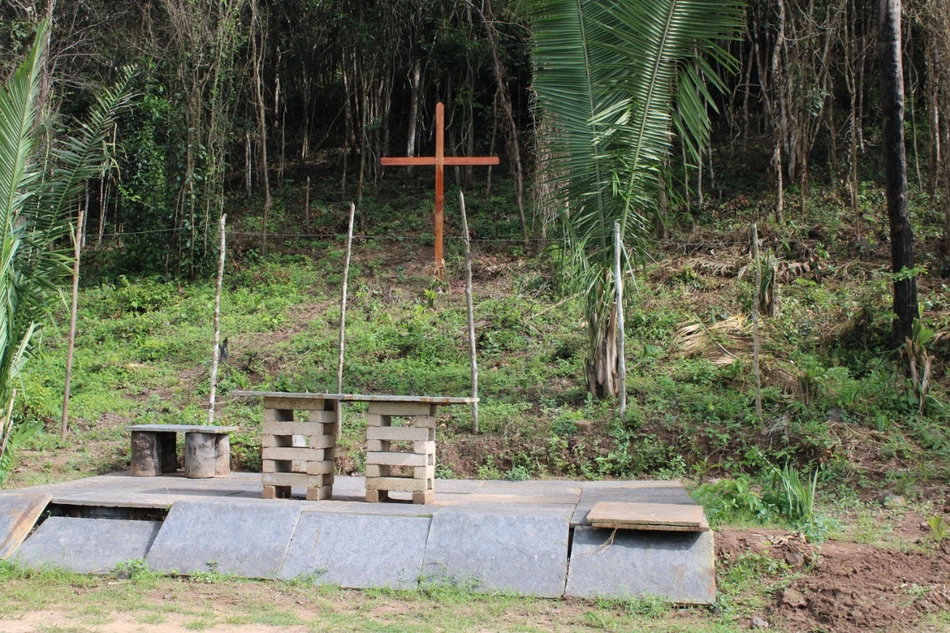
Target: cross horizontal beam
x=450, y=161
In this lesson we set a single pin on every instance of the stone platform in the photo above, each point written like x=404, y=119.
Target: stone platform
x=529, y=537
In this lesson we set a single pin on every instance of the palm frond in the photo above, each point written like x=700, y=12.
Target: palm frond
x=615, y=83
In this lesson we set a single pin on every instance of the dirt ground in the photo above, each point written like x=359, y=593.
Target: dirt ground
x=850, y=587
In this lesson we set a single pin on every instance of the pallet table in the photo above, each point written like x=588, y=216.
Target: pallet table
x=298, y=452
x=207, y=450
x=400, y=443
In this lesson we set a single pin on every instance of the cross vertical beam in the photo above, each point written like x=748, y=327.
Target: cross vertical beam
x=439, y=161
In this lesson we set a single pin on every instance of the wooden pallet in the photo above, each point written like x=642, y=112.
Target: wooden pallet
x=299, y=453
x=400, y=450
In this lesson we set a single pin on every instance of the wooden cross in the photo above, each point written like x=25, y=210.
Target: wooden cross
x=439, y=160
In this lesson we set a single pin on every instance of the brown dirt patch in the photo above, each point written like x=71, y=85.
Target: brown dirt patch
x=850, y=587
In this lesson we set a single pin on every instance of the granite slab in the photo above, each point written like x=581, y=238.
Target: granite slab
x=18, y=514
x=492, y=552
x=677, y=566
x=357, y=550
x=86, y=545
x=243, y=538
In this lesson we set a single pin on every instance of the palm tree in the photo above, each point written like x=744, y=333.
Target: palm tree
x=617, y=81
x=39, y=185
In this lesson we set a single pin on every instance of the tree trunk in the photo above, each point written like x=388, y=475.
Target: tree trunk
x=895, y=169
x=257, y=54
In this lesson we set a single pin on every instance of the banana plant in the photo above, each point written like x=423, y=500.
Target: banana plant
x=617, y=83
x=42, y=173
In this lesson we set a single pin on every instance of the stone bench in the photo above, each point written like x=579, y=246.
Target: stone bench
x=154, y=450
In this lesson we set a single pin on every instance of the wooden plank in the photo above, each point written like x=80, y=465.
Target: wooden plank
x=399, y=434
x=397, y=459
x=402, y=408
x=425, y=421
x=397, y=484
x=425, y=448
x=324, y=417
x=319, y=494
x=283, y=452
x=320, y=468
x=292, y=479
x=294, y=402
x=424, y=472
x=648, y=516
x=298, y=428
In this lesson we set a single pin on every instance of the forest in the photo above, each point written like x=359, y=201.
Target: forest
x=767, y=183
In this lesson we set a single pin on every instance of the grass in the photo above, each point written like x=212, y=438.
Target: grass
x=199, y=606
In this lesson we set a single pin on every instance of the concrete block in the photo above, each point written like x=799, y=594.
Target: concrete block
x=18, y=514
x=353, y=550
x=678, y=566
x=242, y=538
x=86, y=545
x=520, y=554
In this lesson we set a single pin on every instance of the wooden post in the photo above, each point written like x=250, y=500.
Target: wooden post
x=346, y=276
x=471, y=312
x=618, y=284
x=216, y=354
x=306, y=205
x=755, y=321
x=77, y=249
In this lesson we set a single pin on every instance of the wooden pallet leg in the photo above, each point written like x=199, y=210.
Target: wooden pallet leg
x=276, y=492
x=199, y=455
x=423, y=497
x=375, y=496
x=222, y=452
x=146, y=454
x=319, y=494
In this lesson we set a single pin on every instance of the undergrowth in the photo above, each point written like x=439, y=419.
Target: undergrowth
x=833, y=394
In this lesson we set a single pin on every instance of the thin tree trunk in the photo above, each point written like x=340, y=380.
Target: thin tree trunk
x=257, y=55
x=895, y=170
x=74, y=309
x=471, y=313
x=618, y=285
x=346, y=276
x=216, y=352
x=306, y=205
x=755, y=322
x=415, y=96
x=514, y=143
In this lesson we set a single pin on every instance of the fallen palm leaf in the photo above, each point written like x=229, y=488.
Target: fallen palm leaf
x=721, y=343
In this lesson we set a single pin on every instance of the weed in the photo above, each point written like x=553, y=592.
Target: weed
x=939, y=530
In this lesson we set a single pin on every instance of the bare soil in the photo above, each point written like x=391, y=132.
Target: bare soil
x=849, y=587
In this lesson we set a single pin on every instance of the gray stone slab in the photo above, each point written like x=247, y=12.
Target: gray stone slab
x=18, y=514
x=613, y=484
x=357, y=550
x=490, y=552
x=244, y=538
x=563, y=510
x=678, y=566
x=86, y=545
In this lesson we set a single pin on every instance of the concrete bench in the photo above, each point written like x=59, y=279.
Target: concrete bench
x=154, y=450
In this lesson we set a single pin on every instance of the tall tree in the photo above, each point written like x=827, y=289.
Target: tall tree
x=616, y=83
x=895, y=169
